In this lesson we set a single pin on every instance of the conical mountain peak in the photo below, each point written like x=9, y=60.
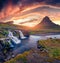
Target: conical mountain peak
x=46, y=20
x=46, y=23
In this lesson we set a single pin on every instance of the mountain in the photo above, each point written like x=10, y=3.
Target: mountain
x=47, y=23
x=10, y=22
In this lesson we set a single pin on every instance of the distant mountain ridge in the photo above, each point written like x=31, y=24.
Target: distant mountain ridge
x=10, y=22
x=46, y=23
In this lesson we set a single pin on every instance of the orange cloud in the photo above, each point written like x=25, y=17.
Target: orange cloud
x=17, y=13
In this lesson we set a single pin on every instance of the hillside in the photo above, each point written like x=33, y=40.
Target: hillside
x=45, y=26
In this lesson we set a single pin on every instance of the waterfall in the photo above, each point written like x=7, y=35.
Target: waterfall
x=11, y=45
x=10, y=34
x=13, y=38
x=22, y=35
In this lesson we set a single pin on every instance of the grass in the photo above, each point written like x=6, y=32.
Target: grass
x=21, y=57
x=44, y=31
x=53, y=47
x=4, y=29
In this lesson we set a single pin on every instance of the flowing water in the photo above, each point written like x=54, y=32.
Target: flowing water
x=26, y=44
x=31, y=42
x=22, y=35
x=14, y=39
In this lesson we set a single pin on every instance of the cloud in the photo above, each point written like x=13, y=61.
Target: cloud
x=49, y=2
x=41, y=11
x=4, y=3
x=11, y=7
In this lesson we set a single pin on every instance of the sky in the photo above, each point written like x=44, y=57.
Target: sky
x=29, y=11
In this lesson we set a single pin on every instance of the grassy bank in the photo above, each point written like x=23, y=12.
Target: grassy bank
x=19, y=58
x=53, y=47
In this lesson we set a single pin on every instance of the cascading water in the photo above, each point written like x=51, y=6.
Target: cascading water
x=13, y=38
x=10, y=34
x=22, y=35
x=11, y=45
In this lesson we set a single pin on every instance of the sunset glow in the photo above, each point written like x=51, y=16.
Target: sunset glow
x=25, y=11
x=32, y=20
x=57, y=22
x=38, y=12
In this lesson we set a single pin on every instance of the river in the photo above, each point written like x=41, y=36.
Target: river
x=31, y=42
